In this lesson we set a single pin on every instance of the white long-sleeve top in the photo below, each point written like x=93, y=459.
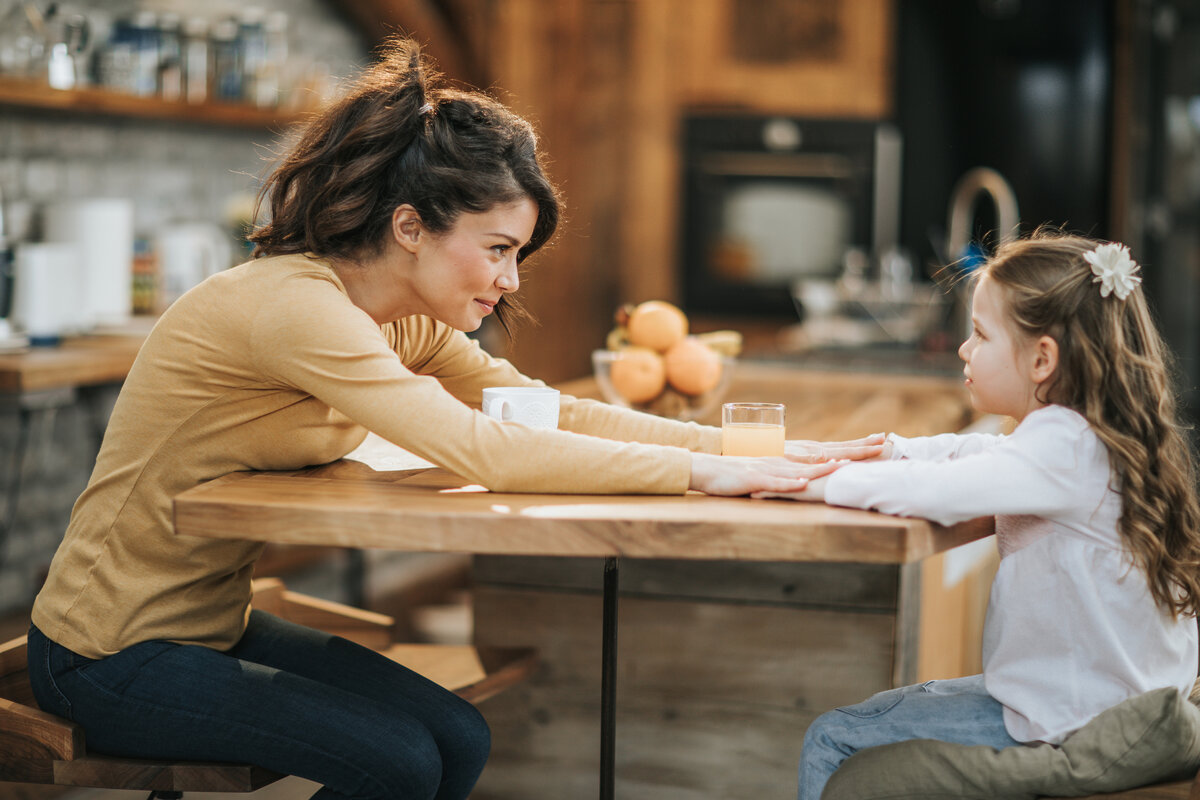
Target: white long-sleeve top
x=1071, y=626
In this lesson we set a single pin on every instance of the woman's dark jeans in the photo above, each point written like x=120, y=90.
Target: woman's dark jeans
x=287, y=698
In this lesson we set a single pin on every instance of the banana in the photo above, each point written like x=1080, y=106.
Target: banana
x=727, y=343
x=617, y=338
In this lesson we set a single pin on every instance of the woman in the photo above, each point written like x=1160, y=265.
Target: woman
x=397, y=223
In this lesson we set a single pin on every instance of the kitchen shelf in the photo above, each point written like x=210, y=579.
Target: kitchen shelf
x=34, y=94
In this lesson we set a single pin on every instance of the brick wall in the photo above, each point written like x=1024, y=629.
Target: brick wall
x=174, y=172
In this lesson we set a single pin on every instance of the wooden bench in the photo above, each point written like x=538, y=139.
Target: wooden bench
x=37, y=747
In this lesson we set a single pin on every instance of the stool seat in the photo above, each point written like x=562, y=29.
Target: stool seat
x=37, y=747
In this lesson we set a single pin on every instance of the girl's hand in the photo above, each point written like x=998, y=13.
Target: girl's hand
x=732, y=476
x=873, y=446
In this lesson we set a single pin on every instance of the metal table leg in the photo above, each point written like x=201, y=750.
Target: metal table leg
x=608, y=681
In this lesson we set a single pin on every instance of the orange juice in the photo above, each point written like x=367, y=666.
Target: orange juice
x=751, y=439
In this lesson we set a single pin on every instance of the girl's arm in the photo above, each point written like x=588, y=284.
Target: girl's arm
x=1037, y=470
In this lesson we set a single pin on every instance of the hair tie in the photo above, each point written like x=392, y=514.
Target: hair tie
x=1114, y=269
x=425, y=109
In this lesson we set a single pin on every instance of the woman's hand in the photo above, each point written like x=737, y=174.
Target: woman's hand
x=814, y=492
x=873, y=446
x=733, y=475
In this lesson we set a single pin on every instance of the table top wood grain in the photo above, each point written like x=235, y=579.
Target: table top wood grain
x=430, y=510
x=409, y=505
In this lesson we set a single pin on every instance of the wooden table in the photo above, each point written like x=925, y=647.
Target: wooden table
x=413, y=507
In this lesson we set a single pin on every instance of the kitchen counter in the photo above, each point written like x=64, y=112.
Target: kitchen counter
x=872, y=360
x=833, y=404
x=78, y=361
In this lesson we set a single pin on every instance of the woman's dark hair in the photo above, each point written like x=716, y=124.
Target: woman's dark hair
x=399, y=136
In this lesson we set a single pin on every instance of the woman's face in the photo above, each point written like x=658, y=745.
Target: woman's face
x=999, y=365
x=460, y=275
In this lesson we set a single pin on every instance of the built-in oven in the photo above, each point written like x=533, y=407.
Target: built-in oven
x=772, y=201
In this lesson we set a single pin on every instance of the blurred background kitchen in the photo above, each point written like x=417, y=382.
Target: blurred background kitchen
x=812, y=173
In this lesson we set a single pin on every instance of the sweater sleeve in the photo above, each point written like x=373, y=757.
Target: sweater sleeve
x=1032, y=471
x=309, y=336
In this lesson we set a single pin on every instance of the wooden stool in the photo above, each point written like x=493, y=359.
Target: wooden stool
x=36, y=747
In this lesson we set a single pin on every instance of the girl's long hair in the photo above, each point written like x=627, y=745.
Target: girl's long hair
x=1115, y=370
x=400, y=136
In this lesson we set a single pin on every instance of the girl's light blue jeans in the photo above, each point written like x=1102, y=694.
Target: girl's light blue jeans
x=288, y=698
x=958, y=710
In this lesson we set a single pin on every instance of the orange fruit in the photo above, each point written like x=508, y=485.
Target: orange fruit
x=657, y=325
x=692, y=367
x=637, y=374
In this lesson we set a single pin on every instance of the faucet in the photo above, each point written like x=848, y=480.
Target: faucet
x=962, y=208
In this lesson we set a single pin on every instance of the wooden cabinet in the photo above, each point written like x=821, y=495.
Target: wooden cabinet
x=816, y=58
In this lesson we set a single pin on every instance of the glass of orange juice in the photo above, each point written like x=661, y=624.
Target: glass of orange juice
x=752, y=429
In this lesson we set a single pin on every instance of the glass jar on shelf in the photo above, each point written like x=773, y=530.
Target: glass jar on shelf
x=22, y=40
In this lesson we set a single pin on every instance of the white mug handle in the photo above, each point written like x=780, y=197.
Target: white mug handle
x=496, y=408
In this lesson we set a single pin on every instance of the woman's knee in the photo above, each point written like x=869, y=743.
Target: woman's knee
x=407, y=763
x=465, y=739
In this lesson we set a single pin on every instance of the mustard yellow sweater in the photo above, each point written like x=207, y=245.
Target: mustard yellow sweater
x=269, y=366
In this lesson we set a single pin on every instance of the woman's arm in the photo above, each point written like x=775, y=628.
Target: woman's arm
x=875, y=446
x=465, y=369
x=730, y=475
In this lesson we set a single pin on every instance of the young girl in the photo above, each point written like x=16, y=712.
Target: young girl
x=1096, y=512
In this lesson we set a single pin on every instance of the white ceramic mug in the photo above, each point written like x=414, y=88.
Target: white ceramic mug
x=535, y=406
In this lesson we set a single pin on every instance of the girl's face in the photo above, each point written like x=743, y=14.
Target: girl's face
x=460, y=275
x=999, y=363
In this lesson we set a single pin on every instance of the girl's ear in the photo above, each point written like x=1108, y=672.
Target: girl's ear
x=407, y=229
x=1045, y=359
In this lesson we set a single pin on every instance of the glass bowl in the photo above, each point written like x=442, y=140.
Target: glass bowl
x=669, y=402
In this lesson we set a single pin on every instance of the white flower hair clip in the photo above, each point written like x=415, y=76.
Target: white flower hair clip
x=1115, y=270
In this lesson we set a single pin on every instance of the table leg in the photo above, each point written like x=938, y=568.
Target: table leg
x=608, y=681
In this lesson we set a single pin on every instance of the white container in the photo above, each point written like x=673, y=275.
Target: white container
x=46, y=296
x=102, y=229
